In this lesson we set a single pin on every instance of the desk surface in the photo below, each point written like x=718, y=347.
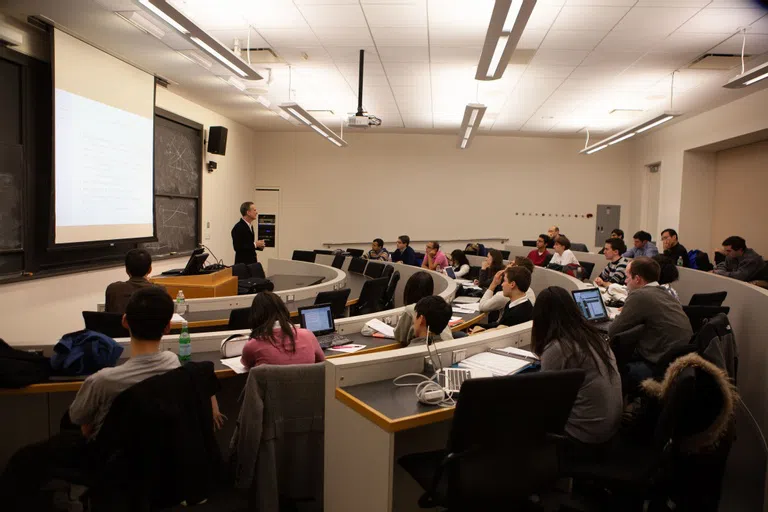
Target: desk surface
x=289, y=282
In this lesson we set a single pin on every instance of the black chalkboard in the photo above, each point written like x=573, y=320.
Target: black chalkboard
x=11, y=186
x=176, y=225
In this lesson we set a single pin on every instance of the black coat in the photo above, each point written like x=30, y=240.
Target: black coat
x=242, y=241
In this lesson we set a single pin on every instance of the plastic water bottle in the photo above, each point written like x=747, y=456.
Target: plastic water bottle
x=181, y=305
x=680, y=261
x=185, y=343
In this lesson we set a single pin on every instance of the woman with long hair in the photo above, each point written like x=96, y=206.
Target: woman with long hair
x=274, y=339
x=494, y=262
x=460, y=263
x=563, y=339
x=418, y=286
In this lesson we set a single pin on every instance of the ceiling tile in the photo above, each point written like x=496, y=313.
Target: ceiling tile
x=531, y=39
x=396, y=15
x=352, y=36
x=455, y=54
x=421, y=81
x=572, y=39
x=460, y=12
x=456, y=35
x=621, y=41
x=589, y=18
x=287, y=37
x=372, y=67
x=403, y=53
x=711, y=20
x=549, y=71
x=670, y=61
x=400, y=36
x=679, y=42
x=324, y=2
x=543, y=16
x=228, y=36
x=655, y=20
x=310, y=56
x=352, y=54
x=613, y=3
x=756, y=44
x=611, y=58
x=673, y=3
x=333, y=16
x=406, y=68
x=601, y=73
x=760, y=26
x=559, y=57
x=266, y=14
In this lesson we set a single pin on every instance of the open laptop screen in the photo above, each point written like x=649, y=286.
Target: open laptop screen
x=317, y=319
x=590, y=303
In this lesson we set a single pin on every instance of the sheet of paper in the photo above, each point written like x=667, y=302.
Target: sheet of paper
x=379, y=326
x=497, y=364
x=466, y=300
x=177, y=318
x=348, y=349
x=462, y=311
x=519, y=352
x=235, y=364
x=471, y=308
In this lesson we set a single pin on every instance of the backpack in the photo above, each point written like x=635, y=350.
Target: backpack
x=254, y=285
x=19, y=368
x=699, y=260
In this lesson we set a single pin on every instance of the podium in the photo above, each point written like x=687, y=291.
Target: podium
x=216, y=284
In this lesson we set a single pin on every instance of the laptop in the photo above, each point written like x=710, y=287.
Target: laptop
x=449, y=272
x=319, y=320
x=591, y=305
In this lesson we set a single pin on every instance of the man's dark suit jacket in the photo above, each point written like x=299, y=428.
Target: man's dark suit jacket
x=242, y=242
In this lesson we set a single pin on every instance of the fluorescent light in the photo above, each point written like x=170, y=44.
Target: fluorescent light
x=160, y=14
x=264, y=101
x=507, y=24
x=236, y=83
x=142, y=23
x=470, y=124
x=749, y=77
x=595, y=150
x=293, y=109
x=622, y=138
x=655, y=124
x=218, y=56
x=197, y=57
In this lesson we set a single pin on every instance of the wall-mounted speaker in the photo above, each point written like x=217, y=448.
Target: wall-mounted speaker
x=217, y=140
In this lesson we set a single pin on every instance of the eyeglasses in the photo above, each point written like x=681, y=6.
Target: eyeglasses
x=666, y=237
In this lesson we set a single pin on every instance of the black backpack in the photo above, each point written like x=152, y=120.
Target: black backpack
x=19, y=368
x=254, y=285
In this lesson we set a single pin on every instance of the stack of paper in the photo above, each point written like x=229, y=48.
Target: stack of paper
x=455, y=320
x=466, y=300
x=377, y=325
x=518, y=352
x=496, y=364
x=235, y=364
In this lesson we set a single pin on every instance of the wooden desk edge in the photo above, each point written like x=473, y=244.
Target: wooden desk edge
x=388, y=424
x=468, y=323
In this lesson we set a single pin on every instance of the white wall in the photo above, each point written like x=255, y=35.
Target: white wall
x=384, y=185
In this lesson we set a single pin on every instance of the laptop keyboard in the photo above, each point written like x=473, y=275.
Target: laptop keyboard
x=331, y=340
x=455, y=377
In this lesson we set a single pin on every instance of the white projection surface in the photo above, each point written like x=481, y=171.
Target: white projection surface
x=103, y=126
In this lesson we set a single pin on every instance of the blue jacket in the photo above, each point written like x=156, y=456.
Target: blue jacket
x=649, y=250
x=84, y=352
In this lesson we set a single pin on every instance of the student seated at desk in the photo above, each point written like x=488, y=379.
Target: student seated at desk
x=516, y=282
x=616, y=270
x=616, y=233
x=147, y=318
x=431, y=316
x=496, y=301
x=460, y=263
x=494, y=262
x=564, y=340
x=404, y=253
x=138, y=265
x=540, y=254
x=419, y=285
x=740, y=262
x=377, y=252
x=563, y=255
x=434, y=258
x=274, y=339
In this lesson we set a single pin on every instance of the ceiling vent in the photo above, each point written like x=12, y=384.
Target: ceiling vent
x=717, y=61
x=261, y=56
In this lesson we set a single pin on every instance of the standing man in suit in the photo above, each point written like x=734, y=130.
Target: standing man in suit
x=243, y=238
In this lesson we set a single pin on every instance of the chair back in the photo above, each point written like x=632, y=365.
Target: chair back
x=240, y=271
x=356, y=253
x=337, y=299
x=494, y=458
x=323, y=251
x=239, y=318
x=257, y=270
x=338, y=261
x=388, y=300
x=388, y=271
x=110, y=324
x=419, y=258
x=579, y=247
x=698, y=315
x=357, y=265
x=474, y=273
x=375, y=269
x=529, y=243
x=588, y=269
x=707, y=299
x=370, y=297
x=504, y=254
x=307, y=256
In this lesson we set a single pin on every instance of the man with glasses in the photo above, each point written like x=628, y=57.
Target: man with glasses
x=674, y=249
x=540, y=254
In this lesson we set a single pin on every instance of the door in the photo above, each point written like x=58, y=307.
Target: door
x=607, y=219
x=267, y=201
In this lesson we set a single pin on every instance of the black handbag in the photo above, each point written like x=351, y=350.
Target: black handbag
x=19, y=368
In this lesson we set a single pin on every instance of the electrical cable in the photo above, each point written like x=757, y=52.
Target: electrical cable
x=218, y=261
x=428, y=390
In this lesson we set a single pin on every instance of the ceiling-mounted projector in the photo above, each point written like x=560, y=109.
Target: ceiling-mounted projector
x=361, y=119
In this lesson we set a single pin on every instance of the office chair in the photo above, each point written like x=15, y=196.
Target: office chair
x=337, y=299
x=588, y=269
x=375, y=269
x=529, y=243
x=110, y=324
x=707, y=299
x=370, y=297
x=257, y=270
x=338, y=261
x=388, y=271
x=419, y=258
x=307, y=256
x=241, y=271
x=494, y=461
x=356, y=253
x=388, y=299
x=698, y=315
x=324, y=251
x=357, y=265
x=579, y=247
x=239, y=318
x=504, y=254
x=474, y=273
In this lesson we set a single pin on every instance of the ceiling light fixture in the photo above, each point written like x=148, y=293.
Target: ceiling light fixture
x=213, y=53
x=263, y=101
x=294, y=110
x=197, y=57
x=236, y=83
x=504, y=30
x=473, y=116
x=160, y=9
x=749, y=77
x=629, y=132
x=141, y=22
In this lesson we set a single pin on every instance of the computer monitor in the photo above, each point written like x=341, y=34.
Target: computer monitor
x=195, y=263
x=590, y=304
x=318, y=319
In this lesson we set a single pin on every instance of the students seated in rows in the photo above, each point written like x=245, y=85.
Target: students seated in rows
x=540, y=255
x=418, y=286
x=616, y=270
x=431, y=316
x=496, y=301
x=434, y=258
x=138, y=265
x=553, y=232
x=377, y=252
x=515, y=284
x=668, y=274
x=147, y=317
x=616, y=233
x=404, y=252
x=460, y=263
x=665, y=325
x=673, y=249
x=642, y=246
x=740, y=262
x=274, y=339
x=563, y=255
x=564, y=340
x=494, y=262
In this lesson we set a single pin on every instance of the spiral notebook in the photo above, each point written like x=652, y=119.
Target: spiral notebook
x=500, y=362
